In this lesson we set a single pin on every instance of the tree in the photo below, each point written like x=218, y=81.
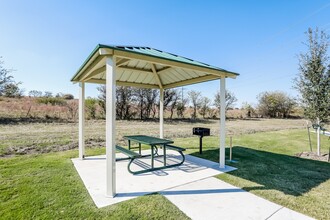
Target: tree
x=171, y=98
x=195, y=98
x=313, y=80
x=230, y=99
x=151, y=96
x=5, y=78
x=102, y=98
x=182, y=102
x=275, y=104
x=205, y=106
x=59, y=95
x=141, y=100
x=35, y=93
x=181, y=107
x=12, y=90
x=48, y=94
x=173, y=105
x=249, y=109
x=124, y=99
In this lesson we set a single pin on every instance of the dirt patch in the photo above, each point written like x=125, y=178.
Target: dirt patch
x=314, y=156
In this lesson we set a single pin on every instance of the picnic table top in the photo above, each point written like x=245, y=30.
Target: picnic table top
x=144, y=139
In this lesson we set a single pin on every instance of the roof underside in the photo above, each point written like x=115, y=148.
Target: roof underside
x=147, y=67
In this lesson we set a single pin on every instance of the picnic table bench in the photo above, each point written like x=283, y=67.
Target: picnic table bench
x=152, y=142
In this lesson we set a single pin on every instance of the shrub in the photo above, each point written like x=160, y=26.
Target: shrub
x=51, y=101
x=90, y=105
x=68, y=96
x=275, y=104
x=12, y=90
x=72, y=109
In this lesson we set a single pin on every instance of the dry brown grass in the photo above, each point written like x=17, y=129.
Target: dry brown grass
x=28, y=107
x=45, y=137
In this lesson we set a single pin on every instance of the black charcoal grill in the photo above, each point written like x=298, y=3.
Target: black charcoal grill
x=201, y=132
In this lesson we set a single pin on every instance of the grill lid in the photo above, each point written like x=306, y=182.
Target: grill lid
x=201, y=131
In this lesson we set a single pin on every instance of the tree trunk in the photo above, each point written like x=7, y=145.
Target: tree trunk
x=141, y=110
x=172, y=111
x=318, y=137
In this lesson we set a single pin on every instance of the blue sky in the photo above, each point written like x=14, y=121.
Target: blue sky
x=47, y=41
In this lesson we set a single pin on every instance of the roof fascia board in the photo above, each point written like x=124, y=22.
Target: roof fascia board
x=89, y=67
x=89, y=59
x=119, y=83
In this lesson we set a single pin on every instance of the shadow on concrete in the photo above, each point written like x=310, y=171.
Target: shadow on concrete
x=288, y=174
x=188, y=166
x=182, y=192
x=94, y=158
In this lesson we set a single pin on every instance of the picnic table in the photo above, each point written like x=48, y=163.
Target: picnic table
x=153, y=142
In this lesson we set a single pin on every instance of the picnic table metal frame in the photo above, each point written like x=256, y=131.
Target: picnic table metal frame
x=152, y=142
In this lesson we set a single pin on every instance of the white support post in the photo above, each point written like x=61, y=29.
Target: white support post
x=81, y=120
x=161, y=113
x=110, y=126
x=222, y=122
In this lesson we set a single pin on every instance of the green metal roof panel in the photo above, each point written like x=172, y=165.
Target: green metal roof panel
x=161, y=54
x=148, y=51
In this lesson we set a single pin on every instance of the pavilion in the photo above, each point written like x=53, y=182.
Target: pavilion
x=143, y=67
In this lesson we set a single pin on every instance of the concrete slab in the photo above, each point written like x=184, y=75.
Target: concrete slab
x=285, y=213
x=92, y=172
x=211, y=198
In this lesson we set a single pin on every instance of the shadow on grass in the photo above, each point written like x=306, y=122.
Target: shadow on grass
x=288, y=174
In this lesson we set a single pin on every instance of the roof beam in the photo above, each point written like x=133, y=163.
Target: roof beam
x=134, y=69
x=97, y=81
x=153, y=68
x=122, y=62
x=94, y=73
x=119, y=83
x=191, y=81
x=102, y=69
x=139, y=85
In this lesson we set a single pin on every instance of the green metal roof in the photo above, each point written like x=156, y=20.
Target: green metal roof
x=148, y=51
x=161, y=54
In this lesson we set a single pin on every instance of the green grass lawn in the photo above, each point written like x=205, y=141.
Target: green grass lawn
x=47, y=186
x=267, y=168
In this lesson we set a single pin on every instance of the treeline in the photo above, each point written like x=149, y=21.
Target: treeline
x=138, y=103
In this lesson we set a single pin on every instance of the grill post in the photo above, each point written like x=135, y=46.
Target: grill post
x=201, y=132
x=200, y=144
